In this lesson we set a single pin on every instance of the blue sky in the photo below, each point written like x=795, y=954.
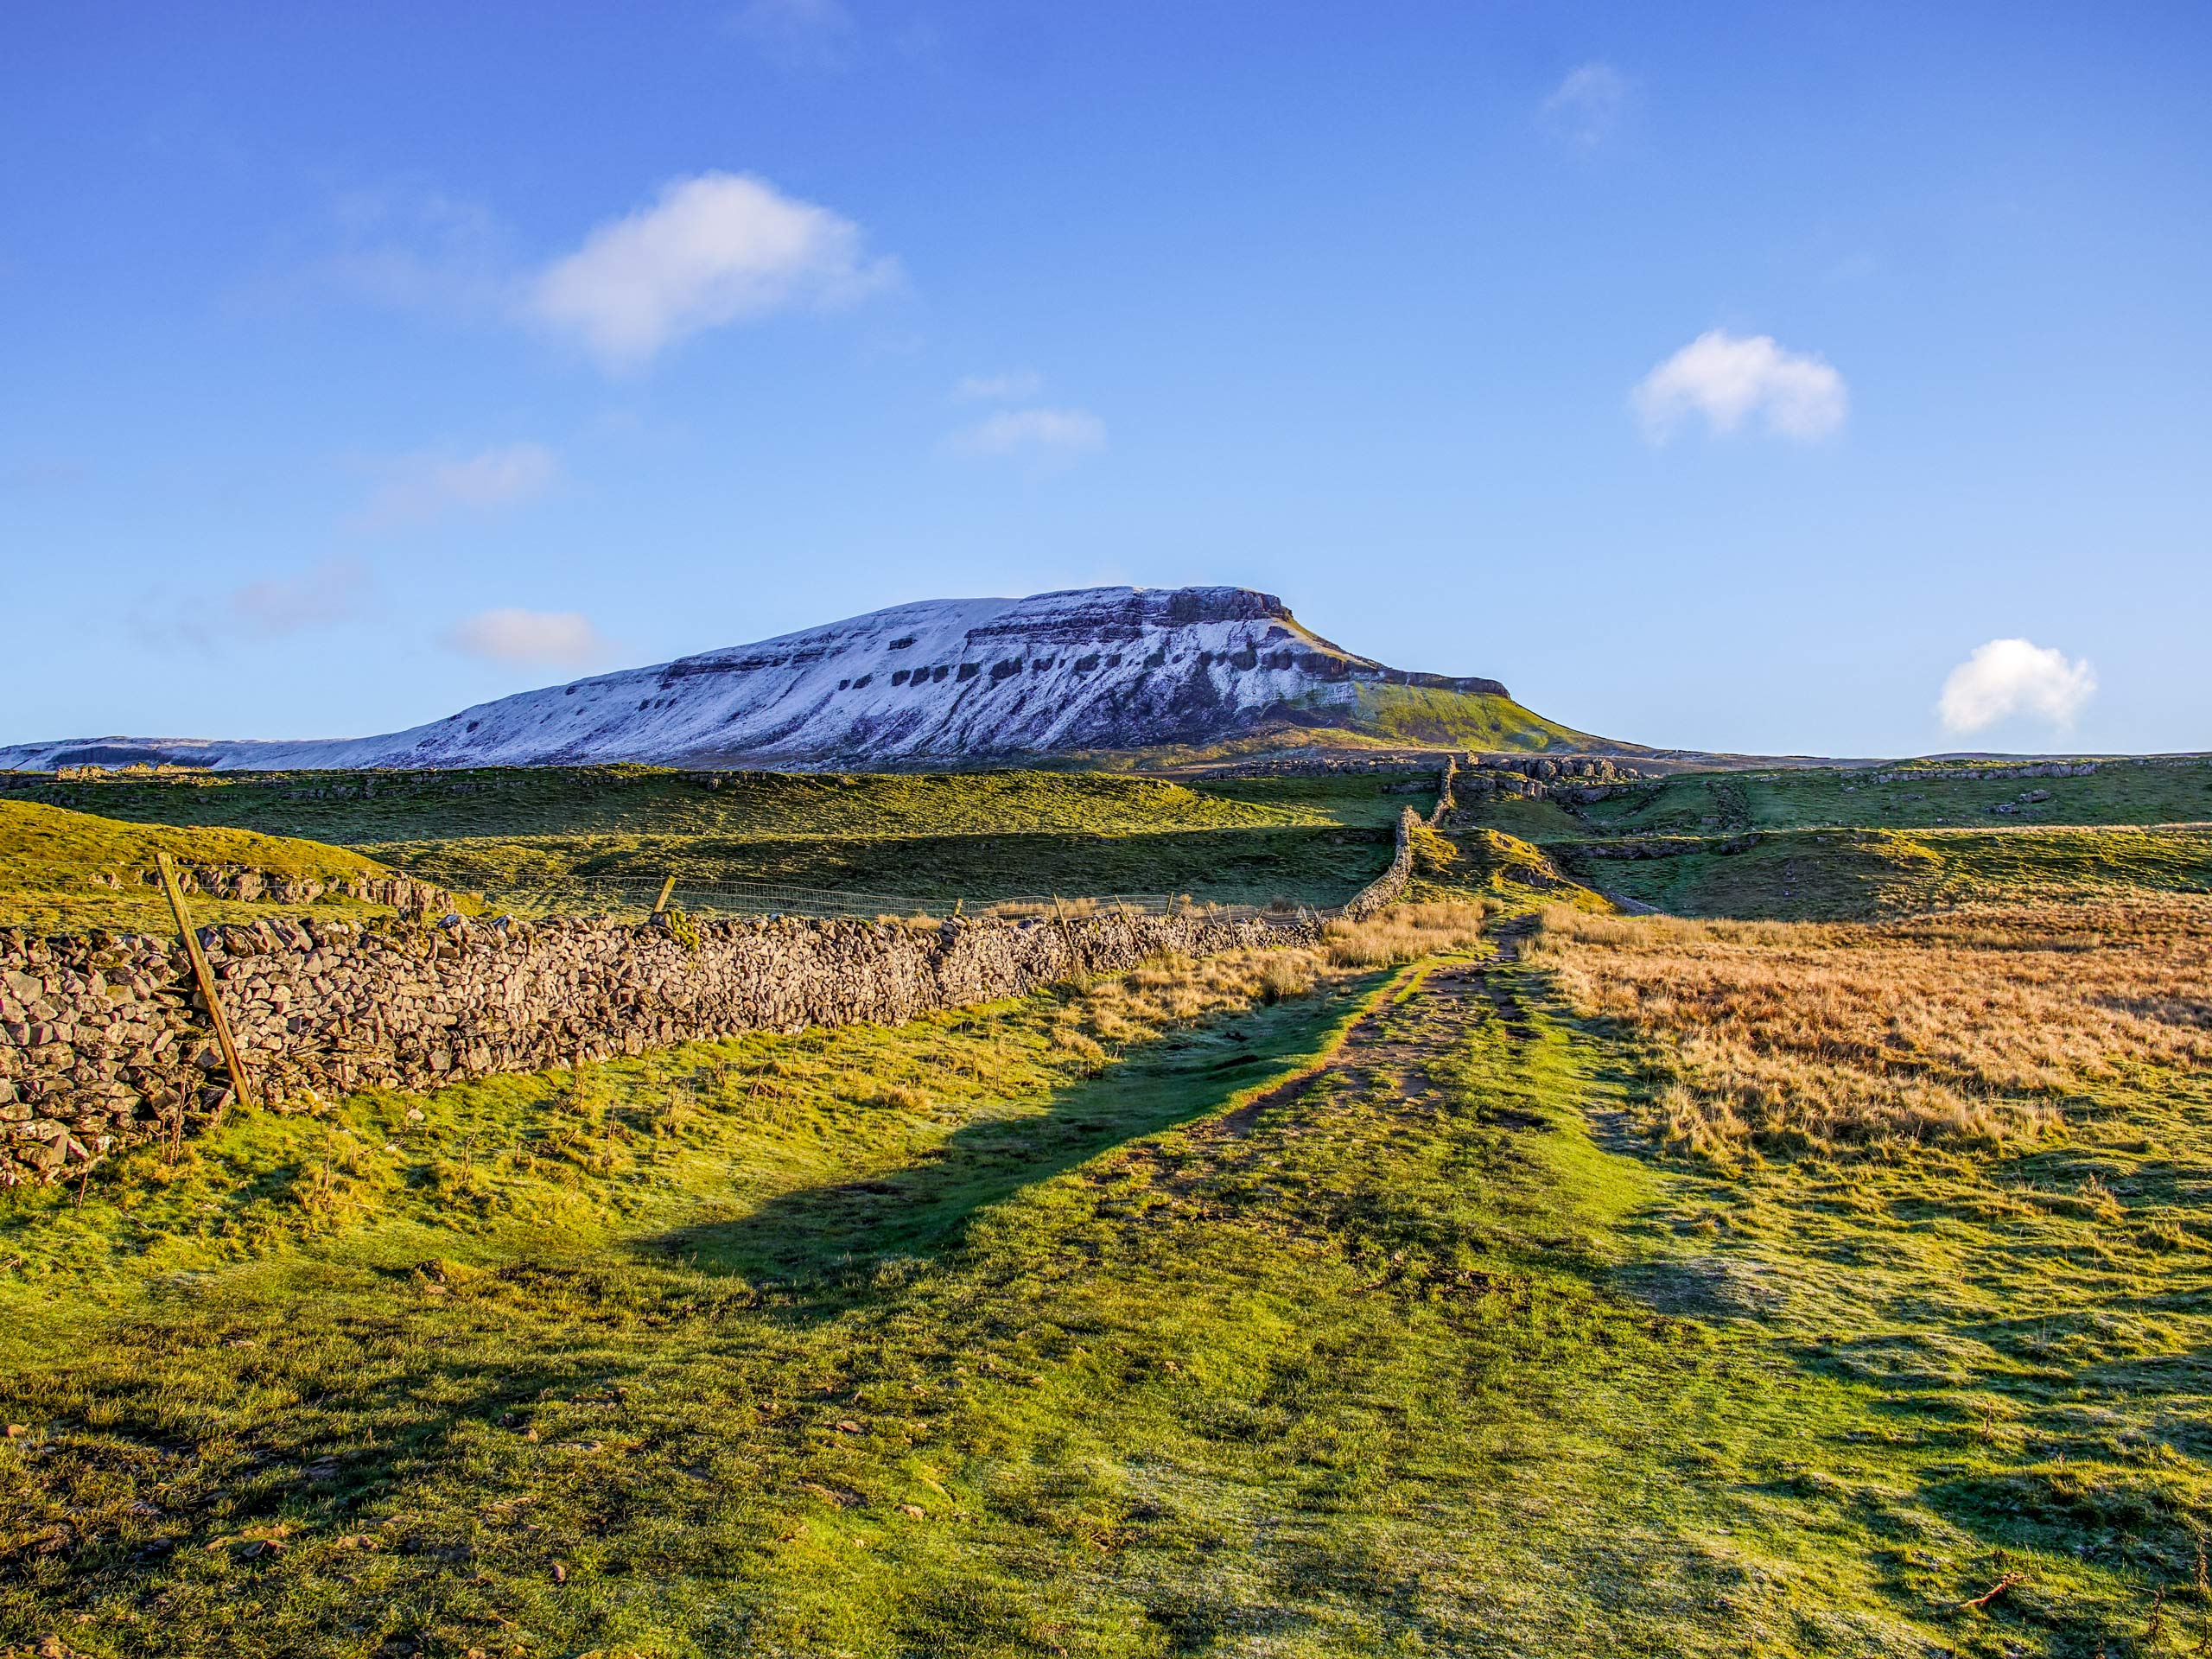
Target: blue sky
x=1738, y=376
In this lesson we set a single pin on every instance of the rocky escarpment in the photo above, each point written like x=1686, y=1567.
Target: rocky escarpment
x=105, y=1042
x=1098, y=668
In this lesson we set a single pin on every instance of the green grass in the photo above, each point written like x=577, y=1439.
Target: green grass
x=1436, y=1359
x=1459, y=719
x=358, y=808
x=978, y=836
x=1318, y=867
x=1826, y=875
x=1718, y=802
x=59, y=866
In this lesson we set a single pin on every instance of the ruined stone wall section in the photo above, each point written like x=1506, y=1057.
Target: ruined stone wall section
x=103, y=1041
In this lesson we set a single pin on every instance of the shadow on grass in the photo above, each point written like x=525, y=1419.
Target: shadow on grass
x=812, y=1242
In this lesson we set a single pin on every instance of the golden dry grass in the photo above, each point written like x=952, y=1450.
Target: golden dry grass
x=1173, y=990
x=1970, y=1027
x=1404, y=932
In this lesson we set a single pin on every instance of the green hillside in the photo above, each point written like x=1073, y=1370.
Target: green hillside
x=525, y=836
x=65, y=871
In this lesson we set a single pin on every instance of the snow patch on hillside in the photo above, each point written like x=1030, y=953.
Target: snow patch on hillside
x=949, y=679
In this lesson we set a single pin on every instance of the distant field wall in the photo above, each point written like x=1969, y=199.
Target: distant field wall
x=105, y=1043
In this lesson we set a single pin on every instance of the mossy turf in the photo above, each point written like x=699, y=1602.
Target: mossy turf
x=746, y=1351
x=977, y=837
x=1308, y=867
x=354, y=808
x=63, y=870
x=1847, y=874
x=2120, y=792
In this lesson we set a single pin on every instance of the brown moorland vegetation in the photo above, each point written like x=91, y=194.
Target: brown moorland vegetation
x=1970, y=1027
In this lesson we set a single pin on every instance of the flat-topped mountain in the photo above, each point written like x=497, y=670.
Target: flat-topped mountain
x=943, y=681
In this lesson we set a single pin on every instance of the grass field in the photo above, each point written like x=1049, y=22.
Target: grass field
x=979, y=836
x=1843, y=873
x=1815, y=797
x=1835, y=1283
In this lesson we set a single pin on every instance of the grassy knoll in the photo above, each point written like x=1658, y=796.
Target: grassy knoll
x=1847, y=873
x=74, y=871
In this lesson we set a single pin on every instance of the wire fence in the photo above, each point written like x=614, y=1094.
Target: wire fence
x=635, y=897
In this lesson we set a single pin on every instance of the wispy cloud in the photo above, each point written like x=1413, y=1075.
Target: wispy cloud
x=716, y=248
x=2007, y=679
x=797, y=34
x=1058, y=433
x=1585, y=108
x=421, y=251
x=1007, y=387
x=334, y=591
x=537, y=639
x=1728, y=380
x=327, y=594
x=424, y=488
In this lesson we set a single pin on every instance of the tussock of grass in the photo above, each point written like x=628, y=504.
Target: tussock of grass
x=1970, y=1027
x=1404, y=932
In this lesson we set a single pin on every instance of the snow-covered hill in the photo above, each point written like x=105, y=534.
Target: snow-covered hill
x=946, y=680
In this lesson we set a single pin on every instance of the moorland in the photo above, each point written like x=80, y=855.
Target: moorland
x=1750, y=1212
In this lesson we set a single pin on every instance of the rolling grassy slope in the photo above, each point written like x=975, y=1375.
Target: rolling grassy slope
x=973, y=836
x=354, y=808
x=64, y=871
x=2119, y=793
x=1851, y=873
x=1307, y=867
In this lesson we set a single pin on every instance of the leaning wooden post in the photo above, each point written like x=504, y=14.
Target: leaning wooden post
x=206, y=975
x=666, y=887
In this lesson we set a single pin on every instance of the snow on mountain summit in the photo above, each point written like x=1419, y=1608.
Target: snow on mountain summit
x=956, y=679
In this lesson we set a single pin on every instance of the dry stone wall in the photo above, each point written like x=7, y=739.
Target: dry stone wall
x=104, y=1042
x=1389, y=887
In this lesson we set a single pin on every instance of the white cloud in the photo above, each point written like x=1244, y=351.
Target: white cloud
x=716, y=248
x=1585, y=108
x=422, y=489
x=1728, y=378
x=2007, y=677
x=1010, y=387
x=1061, y=433
x=542, y=639
x=797, y=34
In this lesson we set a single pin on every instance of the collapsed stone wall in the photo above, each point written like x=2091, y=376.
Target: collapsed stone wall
x=2041, y=769
x=1566, y=778
x=104, y=1042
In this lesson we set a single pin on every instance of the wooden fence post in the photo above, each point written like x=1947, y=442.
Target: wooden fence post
x=666, y=887
x=1067, y=937
x=206, y=975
